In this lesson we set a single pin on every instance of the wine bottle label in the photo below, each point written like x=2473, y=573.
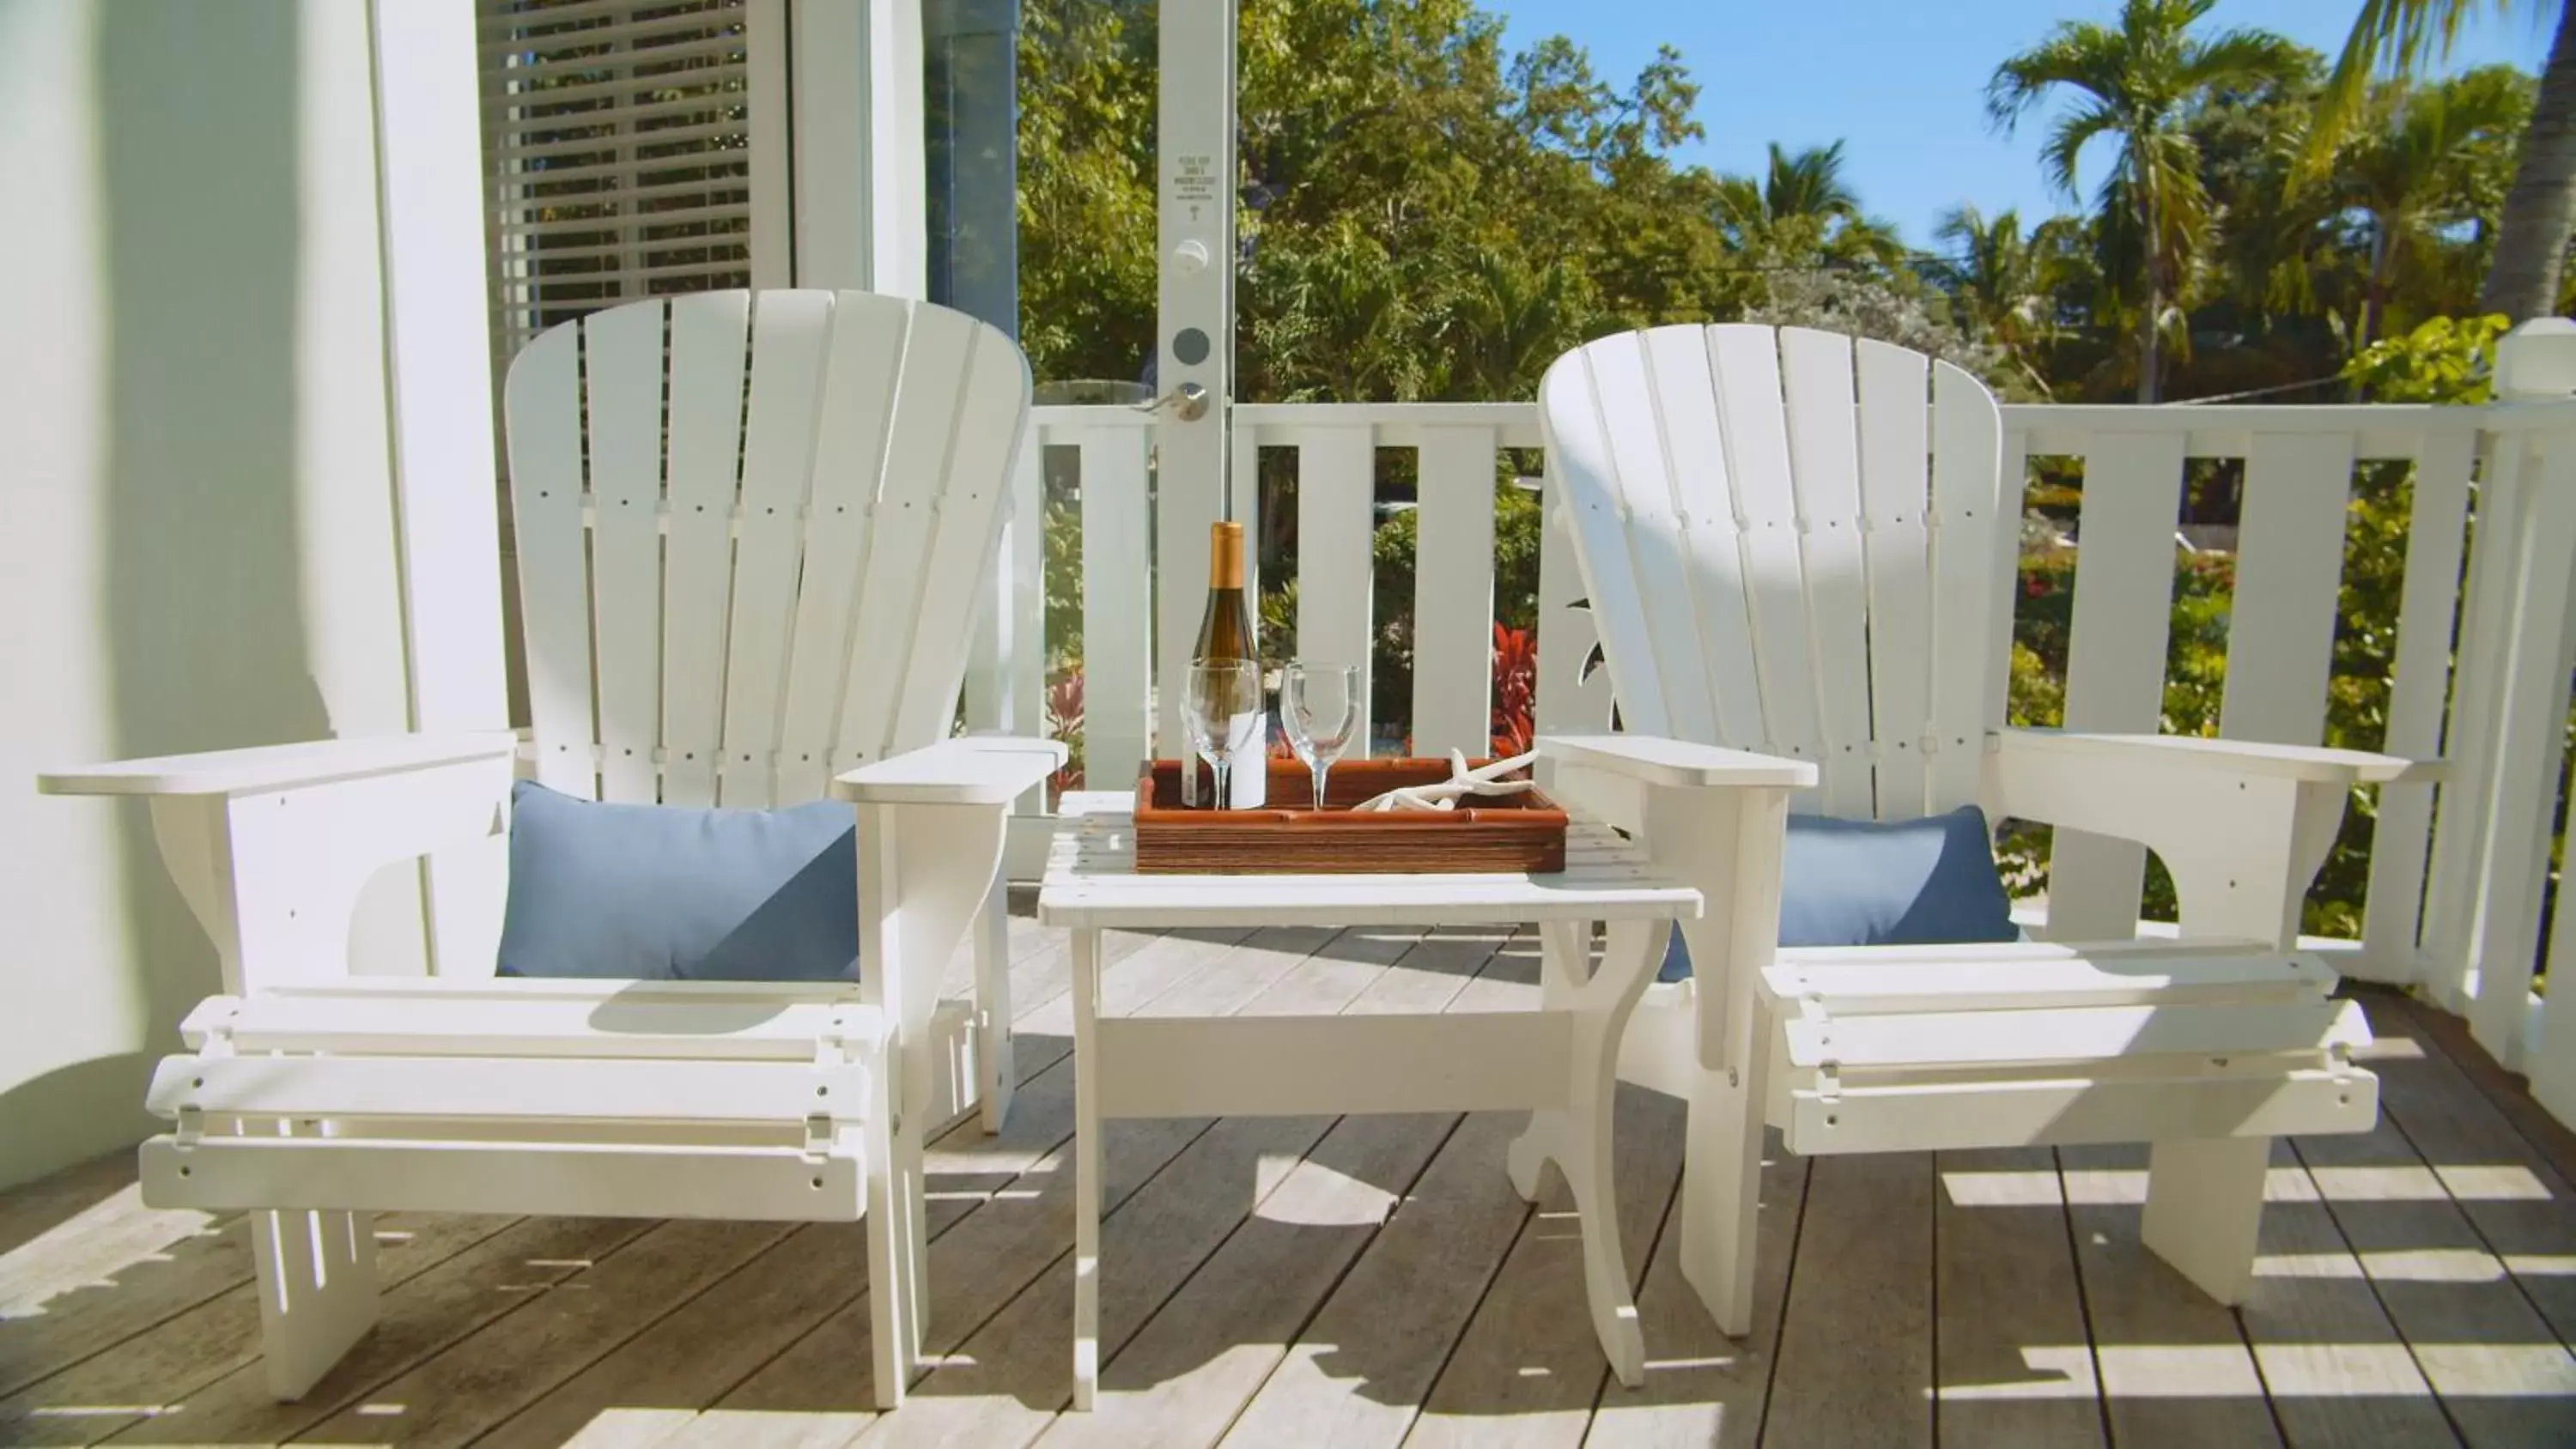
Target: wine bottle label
x=1248, y=767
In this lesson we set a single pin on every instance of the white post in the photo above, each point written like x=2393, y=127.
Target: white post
x=1194, y=318
x=861, y=205
x=438, y=361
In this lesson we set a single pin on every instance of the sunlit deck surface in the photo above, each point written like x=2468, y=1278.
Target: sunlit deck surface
x=1373, y=1280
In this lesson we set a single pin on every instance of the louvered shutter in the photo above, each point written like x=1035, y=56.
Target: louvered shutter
x=622, y=148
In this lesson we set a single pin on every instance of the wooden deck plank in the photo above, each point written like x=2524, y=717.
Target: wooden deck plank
x=1529, y=1370
x=1186, y=1375
x=820, y=1389
x=1358, y=1371
x=2502, y=1375
x=1856, y=1347
x=1008, y=1381
x=506, y=1274
x=2013, y=1364
x=1703, y=1388
x=713, y=1343
x=177, y=1358
x=466, y=1390
x=2511, y=1192
x=2334, y=1366
x=2413, y=1280
x=1189, y=1373
x=106, y=1269
x=40, y=1206
x=2173, y=1366
x=2510, y=1093
x=810, y=1391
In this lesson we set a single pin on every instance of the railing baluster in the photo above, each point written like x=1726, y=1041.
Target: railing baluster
x=1116, y=653
x=1453, y=593
x=2418, y=688
x=1336, y=517
x=2115, y=664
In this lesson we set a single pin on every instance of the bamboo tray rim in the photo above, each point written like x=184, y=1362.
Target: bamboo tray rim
x=1540, y=814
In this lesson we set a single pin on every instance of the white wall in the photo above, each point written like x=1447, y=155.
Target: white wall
x=197, y=497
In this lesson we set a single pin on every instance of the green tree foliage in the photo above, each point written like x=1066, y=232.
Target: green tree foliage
x=2137, y=82
x=1429, y=214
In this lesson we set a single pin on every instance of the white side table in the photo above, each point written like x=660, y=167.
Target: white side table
x=1558, y=1062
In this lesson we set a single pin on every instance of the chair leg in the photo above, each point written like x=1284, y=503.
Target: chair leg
x=995, y=1071
x=1722, y=1186
x=893, y=1334
x=2205, y=1210
x=317, y=1292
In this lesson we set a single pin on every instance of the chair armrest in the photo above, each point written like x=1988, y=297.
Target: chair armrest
x=975, y=770
x=2232, y=759
x=263, y=768
x=1654, y=760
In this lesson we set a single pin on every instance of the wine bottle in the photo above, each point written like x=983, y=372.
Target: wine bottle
x=1225, y=633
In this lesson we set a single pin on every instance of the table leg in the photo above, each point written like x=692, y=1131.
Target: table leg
x=1577, y=1137
x=1086, y=1168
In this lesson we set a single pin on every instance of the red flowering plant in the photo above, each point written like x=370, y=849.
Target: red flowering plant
x=1515, y=691
x=1064, y=722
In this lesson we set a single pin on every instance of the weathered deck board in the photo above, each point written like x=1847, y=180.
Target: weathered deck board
x=2500, y=1372
x=1356, y=1375
x=183, y=1355
x=1855, y=1361
x=2512, y=1194
x=2009, y=1343
x=1703, y=1388
x=1367, y=1281
x=2173, y=1365
x=2332, y=1362
x=1529, y=1369
x=448, y=1306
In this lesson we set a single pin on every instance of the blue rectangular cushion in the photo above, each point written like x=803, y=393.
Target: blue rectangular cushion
x=1926, y=882
x=664, y=893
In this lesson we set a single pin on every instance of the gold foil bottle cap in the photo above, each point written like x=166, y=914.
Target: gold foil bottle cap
x=1225, y=556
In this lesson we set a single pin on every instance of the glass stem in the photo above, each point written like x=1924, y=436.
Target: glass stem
x=1223, y=800
x=1319, y=768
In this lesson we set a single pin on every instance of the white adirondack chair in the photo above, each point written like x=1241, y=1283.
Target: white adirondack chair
x=755, y=602
x=1795, y=543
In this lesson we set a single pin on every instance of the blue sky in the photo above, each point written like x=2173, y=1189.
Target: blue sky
x=1904, y=80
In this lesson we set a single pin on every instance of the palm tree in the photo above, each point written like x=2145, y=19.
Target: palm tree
x=2003, y=284
x=2139, y=82
x=2540, y=208
x=1803, y=213
x=2406, y=167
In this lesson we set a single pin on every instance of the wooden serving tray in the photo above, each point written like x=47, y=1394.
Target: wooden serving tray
x=1500, y=833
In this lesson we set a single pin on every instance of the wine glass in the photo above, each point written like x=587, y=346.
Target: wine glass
x=1319, y=706
x=1221, y=708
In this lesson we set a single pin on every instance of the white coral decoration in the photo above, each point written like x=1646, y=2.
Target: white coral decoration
x=1486, y=780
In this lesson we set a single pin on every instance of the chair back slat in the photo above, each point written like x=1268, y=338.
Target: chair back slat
x=1745, y=364
x=1976, y=537
x=1824, y=477
x=1623, y=383
x=928, y=409
x=1714, y=576
x=710, y=354
x=752, y=531
x=1895, y=472
x=790, y=332
x=1592, y=506
x=1792, y=542
x=622, y=379
x=543, y=404
x=867, y=357
x=968, y=535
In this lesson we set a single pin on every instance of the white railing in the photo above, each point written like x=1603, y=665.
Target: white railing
x=2453, y=907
